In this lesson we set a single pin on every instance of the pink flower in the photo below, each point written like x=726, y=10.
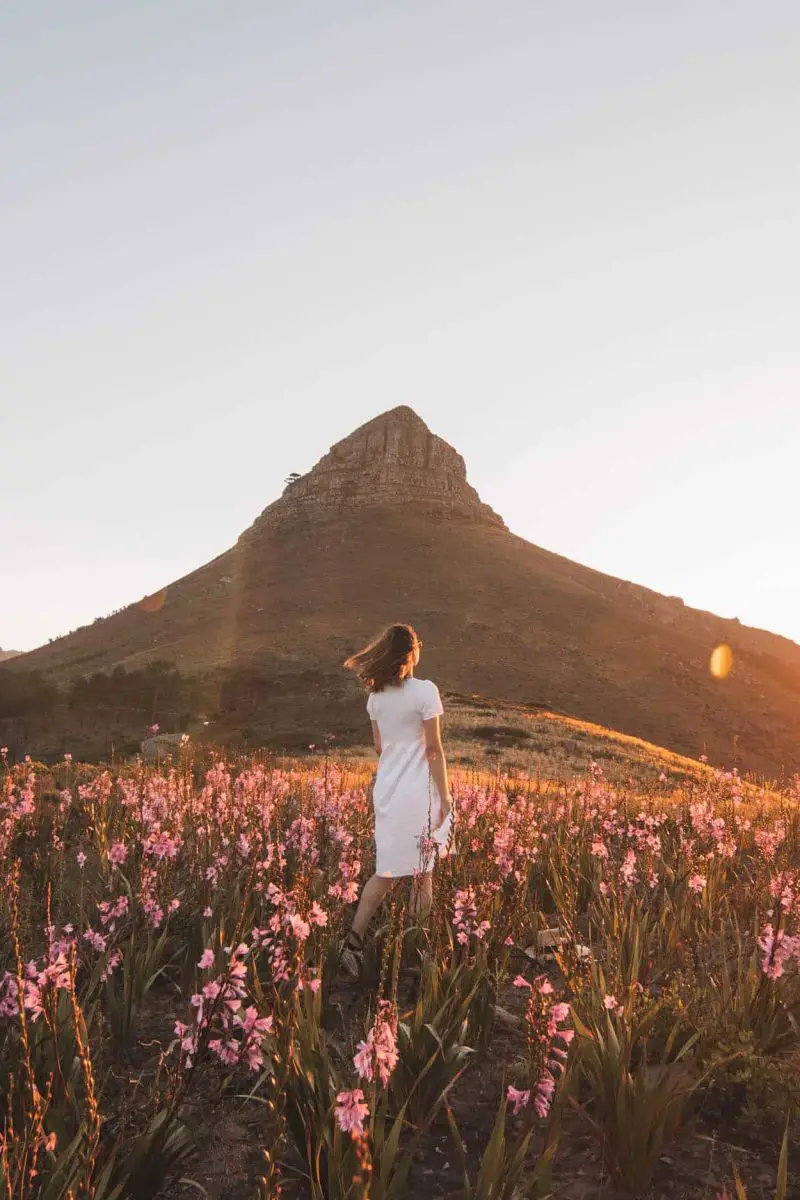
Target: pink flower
x=777, y=949
x=114, y=959
x=351, y=1111
x=628, y=869
x=544, y=1095
x=611, y=1003
x=697, y=883
x=517, y=1098
x=95, y=940
x=206, y=960
x=520, y=982
x=300, y=928
x=81, y=859
x=363, y=1061
x=117, y=854
x=9, y=995
x=379, y=1051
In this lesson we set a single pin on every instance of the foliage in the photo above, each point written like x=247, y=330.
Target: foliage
x=175, y=928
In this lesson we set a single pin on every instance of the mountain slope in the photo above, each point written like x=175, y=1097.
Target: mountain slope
x=385, y=527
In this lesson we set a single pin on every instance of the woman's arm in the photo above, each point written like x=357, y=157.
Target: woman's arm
x=434, y=752
x=376, y=737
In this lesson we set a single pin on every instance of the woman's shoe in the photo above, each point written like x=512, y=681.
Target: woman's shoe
x=351, y=955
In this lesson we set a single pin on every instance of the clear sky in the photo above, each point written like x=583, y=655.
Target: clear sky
x=565, y=232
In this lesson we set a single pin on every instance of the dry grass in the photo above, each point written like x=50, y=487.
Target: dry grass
x=520, y=739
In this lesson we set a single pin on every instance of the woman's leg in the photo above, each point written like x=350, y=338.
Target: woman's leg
x=422, y=895
x=374, y=891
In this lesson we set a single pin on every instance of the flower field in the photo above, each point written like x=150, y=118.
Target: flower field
x=603, y=1001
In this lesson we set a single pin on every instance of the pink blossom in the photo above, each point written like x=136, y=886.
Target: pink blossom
x=518, y=1098
x=9, y=995
x=300, y=928
x=544, y=1095
x=117, y=854
x=777, y=949
x=379, y=1051
x=113, y=961
x=351, y=1111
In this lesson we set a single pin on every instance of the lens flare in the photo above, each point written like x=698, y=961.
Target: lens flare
x=721, y=661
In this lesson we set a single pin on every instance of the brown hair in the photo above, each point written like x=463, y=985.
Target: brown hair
x=387, y=659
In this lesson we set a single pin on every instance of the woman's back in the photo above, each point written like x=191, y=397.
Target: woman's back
x=400, y=710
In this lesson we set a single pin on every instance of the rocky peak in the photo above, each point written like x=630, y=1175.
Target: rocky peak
x=392, y=459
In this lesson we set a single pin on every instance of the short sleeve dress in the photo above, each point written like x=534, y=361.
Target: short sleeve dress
x=406, y=799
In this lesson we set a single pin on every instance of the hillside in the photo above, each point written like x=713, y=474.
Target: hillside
x=5, y=655
x=386, y=527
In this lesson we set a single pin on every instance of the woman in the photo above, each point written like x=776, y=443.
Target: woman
x=411, y=795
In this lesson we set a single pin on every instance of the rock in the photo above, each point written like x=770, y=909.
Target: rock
x=547, y=938
x=506, y=1018
x=158, y=747
x=394, y=458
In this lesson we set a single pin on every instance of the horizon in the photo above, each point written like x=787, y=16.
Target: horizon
x=564, y=238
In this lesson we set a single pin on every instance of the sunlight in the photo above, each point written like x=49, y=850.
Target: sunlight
x=721, y=661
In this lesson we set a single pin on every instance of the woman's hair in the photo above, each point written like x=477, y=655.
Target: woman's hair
x=387, y=659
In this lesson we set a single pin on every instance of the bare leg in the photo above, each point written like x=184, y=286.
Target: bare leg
x=374, y=891
x=422, y=895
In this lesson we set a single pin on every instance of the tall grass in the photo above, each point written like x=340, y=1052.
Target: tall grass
x=184, y=921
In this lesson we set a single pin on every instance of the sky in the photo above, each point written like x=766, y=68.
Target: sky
x=565, y=233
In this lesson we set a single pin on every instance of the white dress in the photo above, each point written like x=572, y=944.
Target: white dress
x=405, y=797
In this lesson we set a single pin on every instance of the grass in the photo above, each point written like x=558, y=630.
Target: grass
x=174, y=1022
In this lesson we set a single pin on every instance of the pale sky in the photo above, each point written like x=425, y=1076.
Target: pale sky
x=565, y=232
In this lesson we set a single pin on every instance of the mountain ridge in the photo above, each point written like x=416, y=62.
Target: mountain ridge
x=386, y=527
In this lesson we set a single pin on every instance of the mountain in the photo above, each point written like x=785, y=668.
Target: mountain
x=386, y=527
x=5, y=655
